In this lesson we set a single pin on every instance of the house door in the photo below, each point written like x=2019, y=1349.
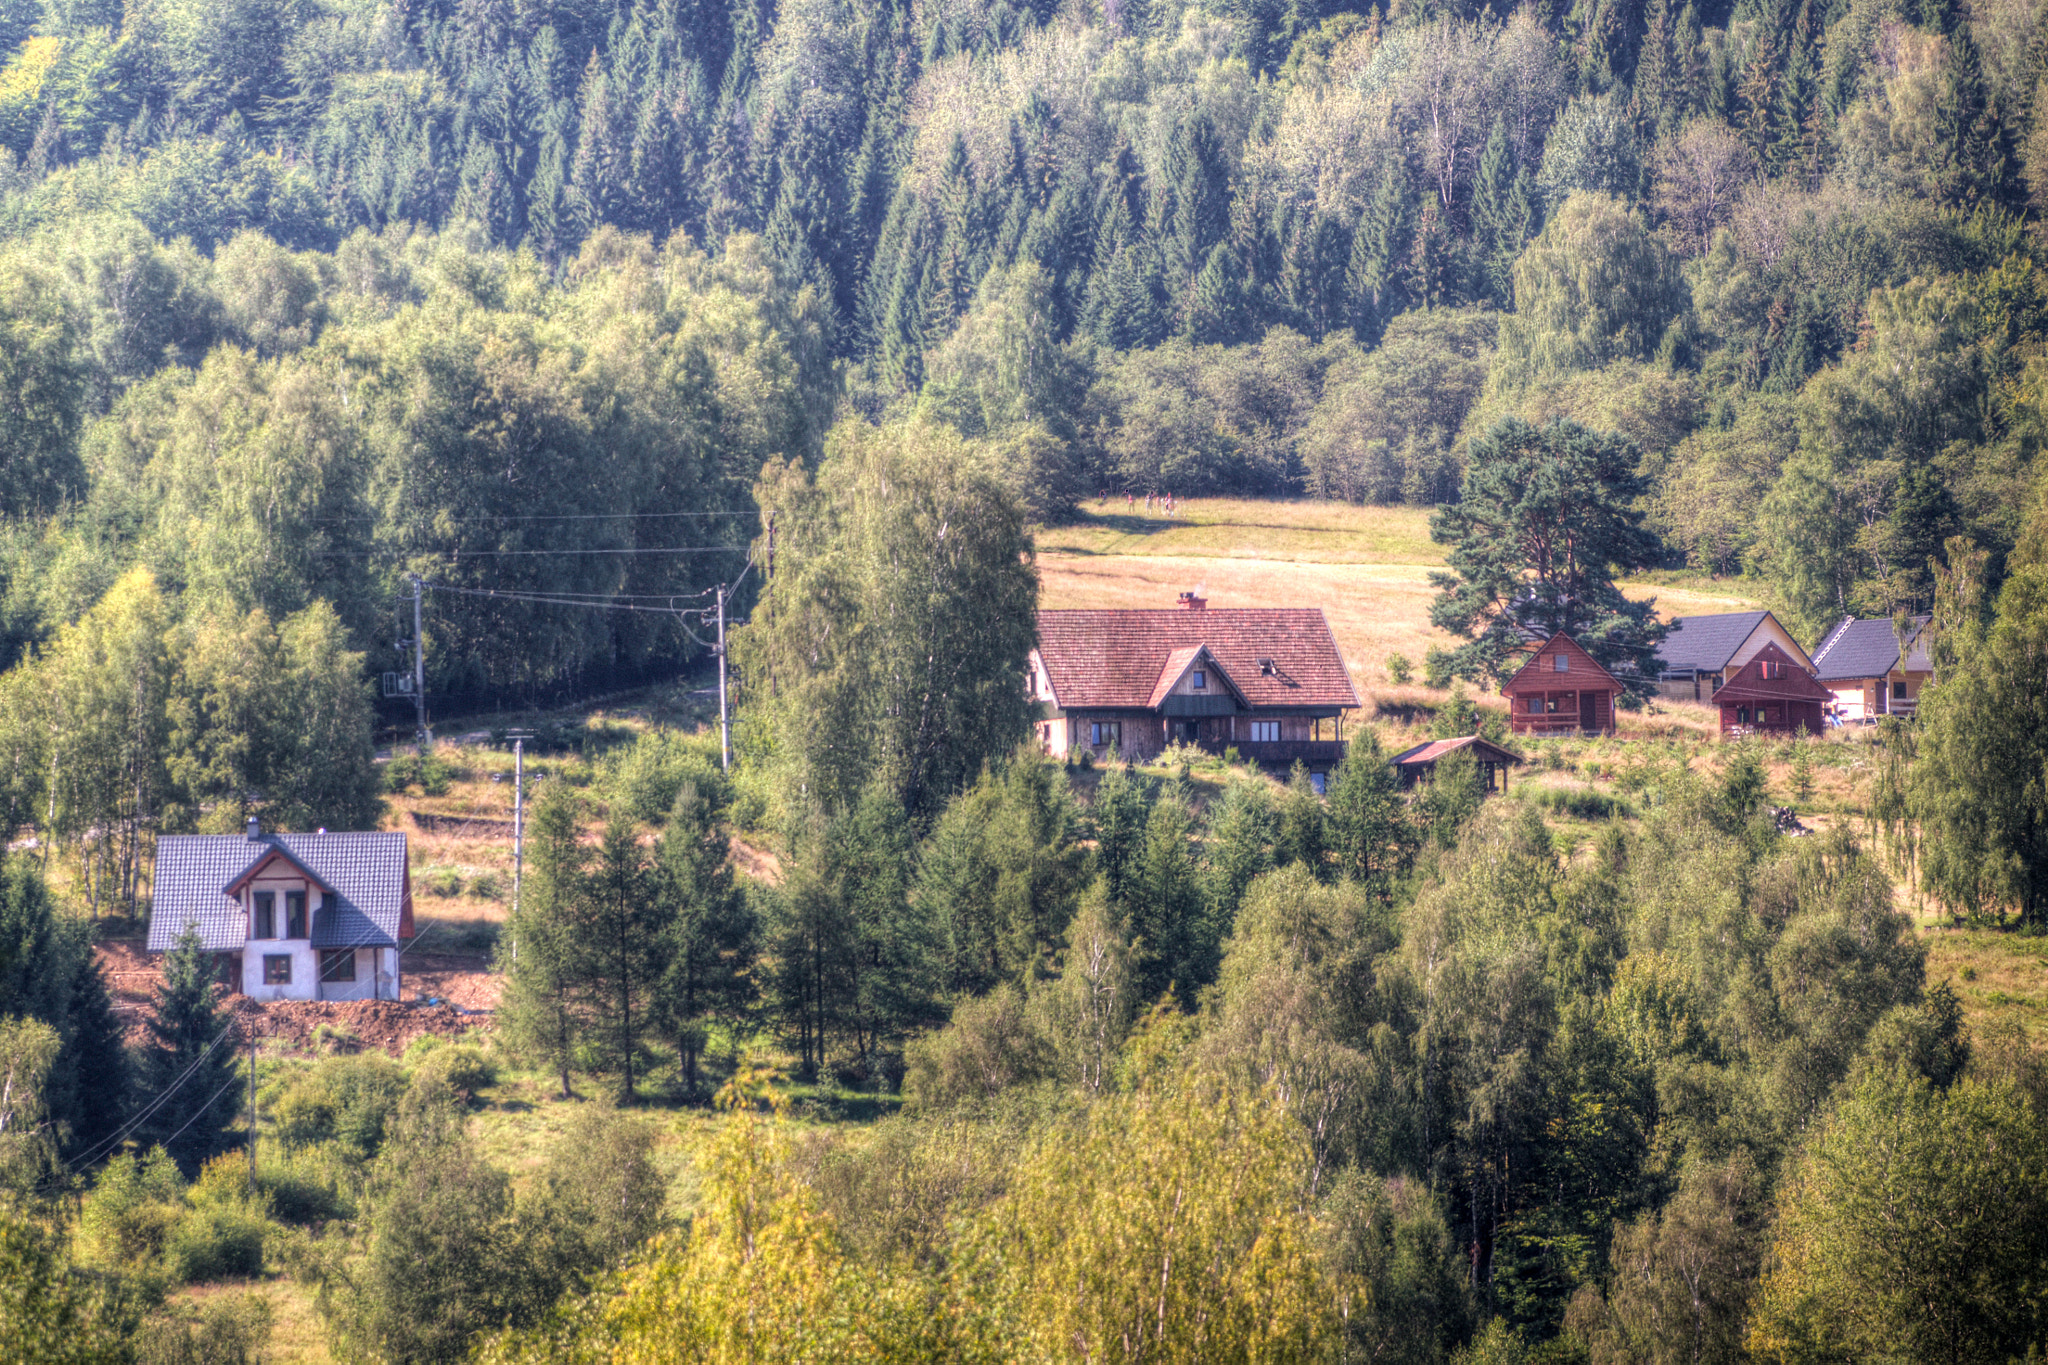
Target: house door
x=1589, y=713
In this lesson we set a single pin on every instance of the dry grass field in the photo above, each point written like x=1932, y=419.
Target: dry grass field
x=1366, y=567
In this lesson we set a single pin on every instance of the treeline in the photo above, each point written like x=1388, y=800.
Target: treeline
x=1191, y=247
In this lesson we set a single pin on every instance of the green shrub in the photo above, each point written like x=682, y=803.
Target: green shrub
x=444, y=882
x=1436, y=667
x=642, y=780
x=431, y=774
x=487, y=886
x=127, y=1217
x=305, y=1186
x=1581, y=803
x=462, y=1067
x=348, y=1099
x=1399, y=669
x=216, y=1242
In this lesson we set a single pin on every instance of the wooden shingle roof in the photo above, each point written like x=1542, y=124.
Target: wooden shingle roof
x=1118, y=658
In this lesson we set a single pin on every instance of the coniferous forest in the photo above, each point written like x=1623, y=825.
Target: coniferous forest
x=900, y=1040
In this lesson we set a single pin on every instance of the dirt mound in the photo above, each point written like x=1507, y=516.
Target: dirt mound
x=384, y=1024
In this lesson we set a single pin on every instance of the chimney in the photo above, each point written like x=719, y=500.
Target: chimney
x=255, y=828
x=1190, y=602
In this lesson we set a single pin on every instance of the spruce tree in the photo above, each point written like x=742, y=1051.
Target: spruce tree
x=542, y=1015
x=1217, y=311
x=188, y=1067
x=1369, y=828
x=1170, y=930
x=1304, y=835
x=711, y=930
x=1373, y=276
x=48, y=972
x=622, y=932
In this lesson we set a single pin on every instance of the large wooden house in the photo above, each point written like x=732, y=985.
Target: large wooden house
x=1869, y=675
x=1772, y=694
x=1562, y=691
x=1701, y=653
x=289, y=916
x=1266, y=681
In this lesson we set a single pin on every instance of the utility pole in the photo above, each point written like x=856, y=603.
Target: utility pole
x=519, y=739
x=422, y=741
x=249, y=1024
x=724, y=724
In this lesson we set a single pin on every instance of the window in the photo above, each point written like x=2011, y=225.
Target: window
x=295, y=914
x=1535, y=705
x=1265, y=732
x=266, y=915
x=1201, y=680
x=1560, y=663
x=1317, y=780
x=1772, y=668
x=1898, y=689
x=277, y=969
x=1190, y=730
x=1101, y=732
x=338, y=964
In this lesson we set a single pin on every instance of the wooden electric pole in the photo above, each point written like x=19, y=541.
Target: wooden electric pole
x=422, y=741
x=724, y=723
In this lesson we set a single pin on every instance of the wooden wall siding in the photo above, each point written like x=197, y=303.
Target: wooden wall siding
x=1540, y=678
x=1751, y=703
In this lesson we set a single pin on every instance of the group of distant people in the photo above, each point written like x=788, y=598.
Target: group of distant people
x=1162, y=501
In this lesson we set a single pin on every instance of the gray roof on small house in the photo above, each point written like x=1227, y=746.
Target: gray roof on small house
x=1868, y=649
x=364, y=872
x=1707, y=643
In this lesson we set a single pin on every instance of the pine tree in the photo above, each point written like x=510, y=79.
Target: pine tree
x=189, y=1071
x=711, y=936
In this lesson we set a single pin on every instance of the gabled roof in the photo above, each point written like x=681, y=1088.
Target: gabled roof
x=1584, y=667
x=1117, y=658
x=1868, y=649
x=1707, y=643
x=1426, y=755
x=1793, y=684
x=364, y=875
x=278, y=853
x=1178, y=665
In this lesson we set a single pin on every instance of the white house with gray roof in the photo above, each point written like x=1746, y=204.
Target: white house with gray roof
x=289, y=916
x=1863, y=664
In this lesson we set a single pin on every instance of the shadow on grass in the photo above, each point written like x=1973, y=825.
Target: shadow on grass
x=439, y=934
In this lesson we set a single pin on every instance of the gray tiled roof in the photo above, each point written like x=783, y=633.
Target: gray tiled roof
x=366, y=873
x=1866, y=649
x=1707, y=643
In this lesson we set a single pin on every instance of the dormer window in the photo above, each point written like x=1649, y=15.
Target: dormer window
x=1201, y=680
x=1561, y=663
x=1266, y=668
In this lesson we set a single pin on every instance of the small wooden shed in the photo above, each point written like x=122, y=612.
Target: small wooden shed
x=1772, y=695
x=1562, y=691
x=1417, y=764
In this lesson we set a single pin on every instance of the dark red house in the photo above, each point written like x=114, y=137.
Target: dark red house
x=1772, y=695
x=1561, y=691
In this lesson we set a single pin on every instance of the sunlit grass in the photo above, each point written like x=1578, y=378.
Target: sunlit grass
x=2001, y=976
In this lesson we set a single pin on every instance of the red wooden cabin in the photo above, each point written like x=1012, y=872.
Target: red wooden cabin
x=1562, y=691
x=1772, y=695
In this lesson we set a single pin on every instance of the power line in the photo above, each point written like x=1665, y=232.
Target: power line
x=505, y=554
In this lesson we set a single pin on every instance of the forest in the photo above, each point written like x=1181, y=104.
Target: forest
x=573, y=313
